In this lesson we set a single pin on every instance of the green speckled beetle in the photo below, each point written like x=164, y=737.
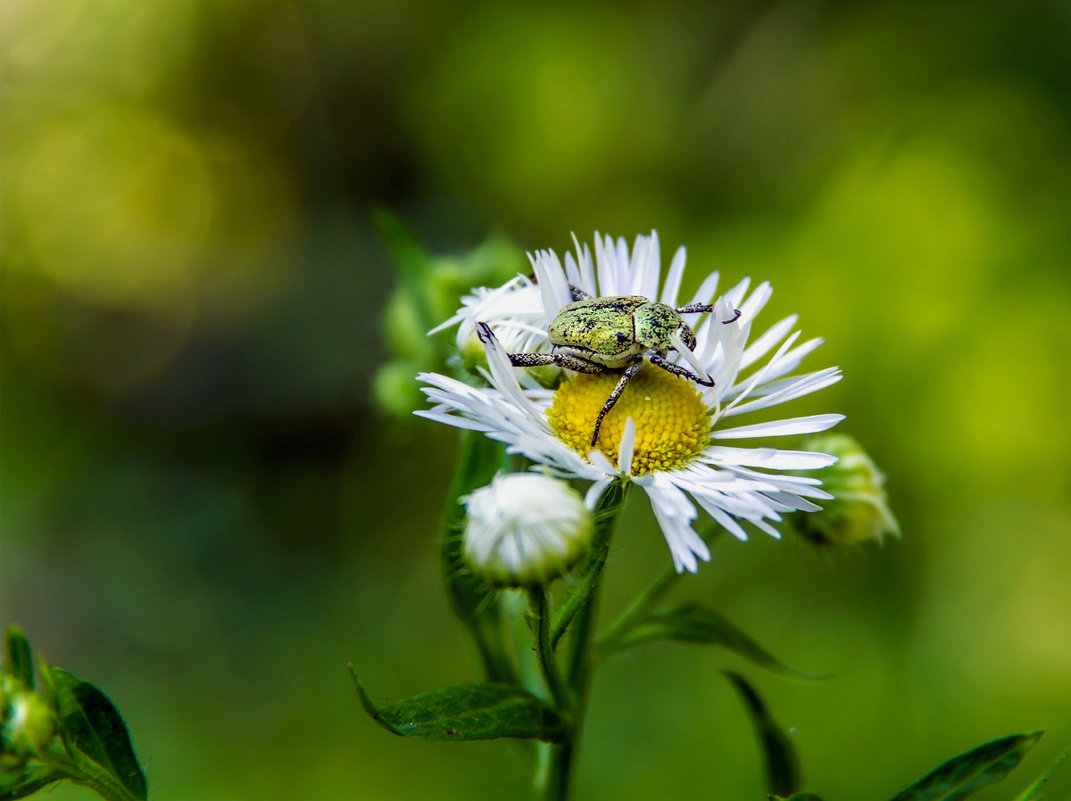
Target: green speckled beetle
x=597, y=335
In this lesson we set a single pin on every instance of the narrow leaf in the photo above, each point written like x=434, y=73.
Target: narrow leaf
x=782, y=764
x=967, y=773
x=691, y=623
x=18, y=660
x=93, y=726
x=467, y=712
x=1033, y=792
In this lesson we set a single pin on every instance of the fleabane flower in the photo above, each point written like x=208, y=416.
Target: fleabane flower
x=665, y=433
x=525, y=529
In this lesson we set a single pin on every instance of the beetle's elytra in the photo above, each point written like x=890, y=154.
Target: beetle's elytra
x=610, y=334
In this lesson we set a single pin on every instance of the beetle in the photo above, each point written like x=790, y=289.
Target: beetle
x=619, y=333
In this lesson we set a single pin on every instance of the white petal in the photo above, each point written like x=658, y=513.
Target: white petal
x=686, y=354
x=788, y=390
x=673, y=278
x=626, y=449
x=771, y=458
x=753, y=305
x=761, y=346
x=781, y=428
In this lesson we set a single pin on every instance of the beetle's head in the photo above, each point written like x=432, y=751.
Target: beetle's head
x=686, y=335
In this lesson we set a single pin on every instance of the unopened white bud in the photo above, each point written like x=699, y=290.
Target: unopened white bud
x=525, y=529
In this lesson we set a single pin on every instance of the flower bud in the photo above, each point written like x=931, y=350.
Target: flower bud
x=27, y=723
x=859, y=510
x=525, y=529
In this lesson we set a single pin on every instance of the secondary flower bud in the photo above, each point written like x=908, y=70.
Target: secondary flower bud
x=859, y=510
x=27, y=723
x=525, y=529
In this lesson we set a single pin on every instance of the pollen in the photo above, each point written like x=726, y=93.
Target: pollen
x=672, y=422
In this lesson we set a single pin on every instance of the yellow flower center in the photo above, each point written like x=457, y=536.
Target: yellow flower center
x=672, y=422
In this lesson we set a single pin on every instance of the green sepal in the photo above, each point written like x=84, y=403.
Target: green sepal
x=481, y=458
x=18, y=658
x=472, y=599
x=782, y=764
x=94, y=730
x=32, y=779
x=467, y=712
x=1033, y=792
x=969, y=772
x=692, y=623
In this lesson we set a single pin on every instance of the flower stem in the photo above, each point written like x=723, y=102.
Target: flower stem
x=579, y=605
x=559, y=693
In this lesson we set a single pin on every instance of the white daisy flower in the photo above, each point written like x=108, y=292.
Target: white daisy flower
x=665, y=432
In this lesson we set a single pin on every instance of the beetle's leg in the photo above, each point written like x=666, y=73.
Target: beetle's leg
x=544, y=359
x=676, y=369
x=630, y=371
x=695, y=308
x=699, y=308
x=577, y=293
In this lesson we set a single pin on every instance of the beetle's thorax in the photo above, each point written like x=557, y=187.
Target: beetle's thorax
x=599, y=330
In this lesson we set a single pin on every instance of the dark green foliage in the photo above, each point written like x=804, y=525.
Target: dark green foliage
x=93, y=726
x=692, y=623
x=967, y=773
x=782, y=764
x=77, y=734
x=467, y=712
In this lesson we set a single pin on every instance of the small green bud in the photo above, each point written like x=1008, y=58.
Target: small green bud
x=859, y=510
x=525, y=529
x=27, y=723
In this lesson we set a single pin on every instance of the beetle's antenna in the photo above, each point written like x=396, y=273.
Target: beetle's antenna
x=733, y=319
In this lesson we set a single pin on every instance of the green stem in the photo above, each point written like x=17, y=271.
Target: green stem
x=487, y=631
x=580, y=603
x=559, y=693
x=587, y=577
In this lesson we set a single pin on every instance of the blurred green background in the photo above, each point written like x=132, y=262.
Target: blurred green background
x=205, y=513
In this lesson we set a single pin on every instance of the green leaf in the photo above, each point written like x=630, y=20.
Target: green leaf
x=967, y=773
x=18, y=660
x=93, y=726
x=795, y=797
x=782, y=764
x=692, y=623
x=1033, y=792
x=467, y=712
